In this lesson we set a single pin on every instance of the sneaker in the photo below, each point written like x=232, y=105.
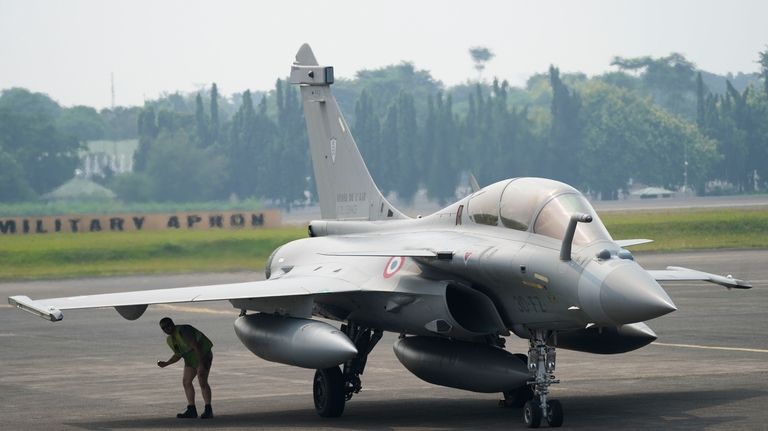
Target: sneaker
x=207, y=413
x=190, y=413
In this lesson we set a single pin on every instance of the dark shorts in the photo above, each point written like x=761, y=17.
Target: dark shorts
x=207, y=361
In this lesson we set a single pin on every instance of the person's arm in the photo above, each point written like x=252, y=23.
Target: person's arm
x=175, y=358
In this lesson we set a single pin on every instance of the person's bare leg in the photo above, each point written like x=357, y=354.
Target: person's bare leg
x=189, y=390
x=202, y=379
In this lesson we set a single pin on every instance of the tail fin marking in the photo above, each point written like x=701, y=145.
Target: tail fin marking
x=345, y=188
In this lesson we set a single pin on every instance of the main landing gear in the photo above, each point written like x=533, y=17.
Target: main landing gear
x=541, y=362
x=333, y=387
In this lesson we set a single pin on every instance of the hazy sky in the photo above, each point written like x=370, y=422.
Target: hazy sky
x=69, y=48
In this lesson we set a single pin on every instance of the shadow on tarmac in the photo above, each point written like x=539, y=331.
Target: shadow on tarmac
x=651, y=410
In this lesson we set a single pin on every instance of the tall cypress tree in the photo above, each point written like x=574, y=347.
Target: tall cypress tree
x=291, y=167
x=388, y=151
x=147, y=130
x=201, y=121
x=700, y=101
x=213, y=130
x=367, y=131
x=407, y=180
x=443, y=175
x=565, y=133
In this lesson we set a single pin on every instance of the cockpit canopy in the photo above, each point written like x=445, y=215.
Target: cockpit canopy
x=535, y=205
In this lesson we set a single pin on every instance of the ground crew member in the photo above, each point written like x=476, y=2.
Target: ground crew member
x=189, y=343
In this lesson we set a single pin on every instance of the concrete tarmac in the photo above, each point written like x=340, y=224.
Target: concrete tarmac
x=94, y=370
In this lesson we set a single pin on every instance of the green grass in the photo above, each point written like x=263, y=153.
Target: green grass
x=677, y=230
x=114, y=253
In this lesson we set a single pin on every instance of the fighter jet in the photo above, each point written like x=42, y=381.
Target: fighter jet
x=523, y=256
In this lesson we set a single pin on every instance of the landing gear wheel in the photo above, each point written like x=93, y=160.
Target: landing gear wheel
x=328, y=392
x=554, y=413
x=532, y=414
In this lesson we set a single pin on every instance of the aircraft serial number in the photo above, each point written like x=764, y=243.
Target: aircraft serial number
x=350, y=197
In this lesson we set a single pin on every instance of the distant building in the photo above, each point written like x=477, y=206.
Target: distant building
x=79, y=189
x=104, y=156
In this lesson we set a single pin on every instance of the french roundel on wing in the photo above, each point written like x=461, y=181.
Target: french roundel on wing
x=393, y=266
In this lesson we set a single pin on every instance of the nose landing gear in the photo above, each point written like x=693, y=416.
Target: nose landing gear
x=541, y=362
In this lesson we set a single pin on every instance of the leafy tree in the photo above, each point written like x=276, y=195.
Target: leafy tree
x=628, y=137
x=670, y=80
x=81, y=122
x=28, y=136
x=480, y=55
x=763, y=61
x=384, y=86
x=25, y=102
x=13, y=184
x=132, y=187
x=622, y=80
x=120, y=123
x=181, y=171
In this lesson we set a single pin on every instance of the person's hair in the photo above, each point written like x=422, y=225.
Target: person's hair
x=166, y=320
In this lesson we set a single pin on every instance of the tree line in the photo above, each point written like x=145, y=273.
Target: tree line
x=40, y=141
x=656, y=121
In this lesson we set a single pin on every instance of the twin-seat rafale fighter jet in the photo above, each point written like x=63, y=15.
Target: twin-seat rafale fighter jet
x=527, y=256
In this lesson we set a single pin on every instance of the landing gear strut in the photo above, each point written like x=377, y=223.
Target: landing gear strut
x=333, y=387
x=541, y=362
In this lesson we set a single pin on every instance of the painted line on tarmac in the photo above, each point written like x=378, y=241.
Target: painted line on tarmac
x=195, y=309
x=695, y=346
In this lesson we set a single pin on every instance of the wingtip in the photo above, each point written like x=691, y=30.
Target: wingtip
x=24, y=303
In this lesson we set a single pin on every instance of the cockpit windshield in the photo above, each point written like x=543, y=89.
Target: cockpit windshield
x=554, y=217
x=535, y=204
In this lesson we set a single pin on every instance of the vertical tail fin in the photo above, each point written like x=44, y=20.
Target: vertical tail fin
x=345, y=188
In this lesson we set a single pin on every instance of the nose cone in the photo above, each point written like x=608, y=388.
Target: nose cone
x=629, y=294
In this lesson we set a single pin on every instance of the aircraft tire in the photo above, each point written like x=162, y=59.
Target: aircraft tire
x=328, y=392
x=554, y=413
x=532, y=414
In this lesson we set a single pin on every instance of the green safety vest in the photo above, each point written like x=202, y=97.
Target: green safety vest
x=182, y=349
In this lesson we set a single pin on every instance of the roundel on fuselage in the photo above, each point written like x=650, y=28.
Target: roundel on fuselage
x=393, y=266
